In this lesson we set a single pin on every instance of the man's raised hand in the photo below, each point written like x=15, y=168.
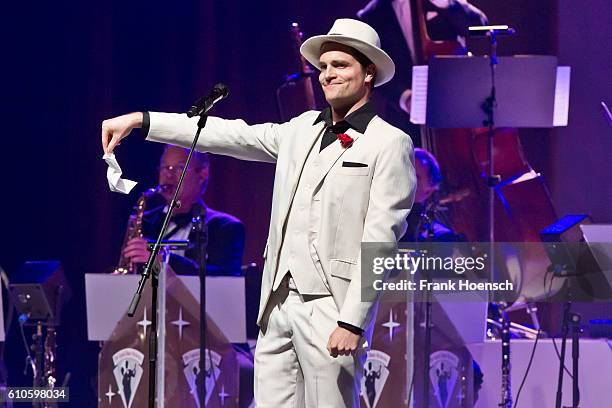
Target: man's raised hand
x=115, y=129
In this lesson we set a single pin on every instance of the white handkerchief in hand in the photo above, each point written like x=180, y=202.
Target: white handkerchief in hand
x=113, y=174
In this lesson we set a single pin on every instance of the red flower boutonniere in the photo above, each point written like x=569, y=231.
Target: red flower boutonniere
x=345, y=140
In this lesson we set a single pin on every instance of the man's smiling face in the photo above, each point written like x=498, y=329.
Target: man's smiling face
x=345, y=81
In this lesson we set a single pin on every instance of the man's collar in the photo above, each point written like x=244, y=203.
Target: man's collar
x=357, y=120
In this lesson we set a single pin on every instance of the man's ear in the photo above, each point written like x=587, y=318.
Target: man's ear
x=370, y=74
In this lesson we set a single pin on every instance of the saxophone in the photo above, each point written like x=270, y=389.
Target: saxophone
x=134, y=230
x=44, y=374
x=49, y=377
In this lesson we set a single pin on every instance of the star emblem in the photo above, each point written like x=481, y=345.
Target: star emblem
x=110, y=394
x=223, y=395
x=144, y=322
x=391, y=324
x=180, y=323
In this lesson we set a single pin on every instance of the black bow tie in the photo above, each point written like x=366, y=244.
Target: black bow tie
x=340, y=127
x=332, y=132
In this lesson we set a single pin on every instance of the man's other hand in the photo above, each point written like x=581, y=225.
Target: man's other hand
x=115, y=129
x=342, y=342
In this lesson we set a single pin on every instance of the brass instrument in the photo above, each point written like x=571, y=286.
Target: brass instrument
x=50, y=352
x=49, y=378
x=134, y=230
x=44, y=374
x=506, y=389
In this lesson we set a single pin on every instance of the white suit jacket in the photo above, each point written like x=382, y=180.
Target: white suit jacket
x=368, y=204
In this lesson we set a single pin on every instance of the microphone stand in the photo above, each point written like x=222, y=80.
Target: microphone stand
x=201, y=230
x=571, y=321
x=493, y=180
x=427, y=348
x=151, y=270
x=489, y=106
x=426, y=225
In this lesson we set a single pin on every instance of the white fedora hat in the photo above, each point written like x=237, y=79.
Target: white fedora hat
x=358, y=35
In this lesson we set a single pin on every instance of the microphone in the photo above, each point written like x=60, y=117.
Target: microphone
x=203, y=105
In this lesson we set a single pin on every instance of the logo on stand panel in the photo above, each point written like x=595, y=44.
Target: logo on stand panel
x=191, y=360
x=443, y=374
x=127, y=373
x=375, y=374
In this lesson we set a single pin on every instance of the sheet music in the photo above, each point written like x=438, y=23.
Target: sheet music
x=562, y=91
x=418, y=106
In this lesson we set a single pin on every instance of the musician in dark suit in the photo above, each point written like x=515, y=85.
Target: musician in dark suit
x=394, y=20
x=225, y=244
x=423, y=223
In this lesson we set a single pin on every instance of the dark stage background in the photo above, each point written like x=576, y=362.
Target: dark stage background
x=69, y=65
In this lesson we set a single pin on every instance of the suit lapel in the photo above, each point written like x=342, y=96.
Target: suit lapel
x=302, y=154
x=333, y=156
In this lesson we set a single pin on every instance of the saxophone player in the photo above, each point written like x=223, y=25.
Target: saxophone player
x=226, y=233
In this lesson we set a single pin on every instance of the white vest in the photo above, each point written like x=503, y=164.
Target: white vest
x=304, y=214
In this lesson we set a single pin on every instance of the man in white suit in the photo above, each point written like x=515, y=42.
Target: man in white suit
x=343, y=176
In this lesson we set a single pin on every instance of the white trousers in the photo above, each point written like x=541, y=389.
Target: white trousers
x=292, y=365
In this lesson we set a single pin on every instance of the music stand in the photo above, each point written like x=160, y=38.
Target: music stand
x=31, y=301
x=465, y=92
x=474, y=92
x=531, y=92
x=38, y=291
x=599, y=239
x=582, y=256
